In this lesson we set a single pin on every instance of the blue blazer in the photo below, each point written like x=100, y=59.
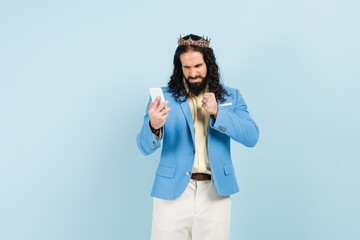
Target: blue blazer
x=178, y=151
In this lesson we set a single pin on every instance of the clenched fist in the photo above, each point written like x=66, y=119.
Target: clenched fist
x=158, y=113
x=209, y=103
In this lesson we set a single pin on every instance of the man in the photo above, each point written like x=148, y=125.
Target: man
x=195, y=176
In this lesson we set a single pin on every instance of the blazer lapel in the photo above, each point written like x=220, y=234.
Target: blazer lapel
x=187, y=112
x=211, y=122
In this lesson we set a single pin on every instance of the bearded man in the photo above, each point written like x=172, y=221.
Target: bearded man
x=195, y=176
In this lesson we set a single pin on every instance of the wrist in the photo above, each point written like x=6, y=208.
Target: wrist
x=152, y=128
x=216, y=112
x=154, y=131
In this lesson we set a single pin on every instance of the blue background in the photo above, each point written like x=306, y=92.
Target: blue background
x=74, y=79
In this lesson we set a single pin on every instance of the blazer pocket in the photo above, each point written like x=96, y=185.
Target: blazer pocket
x=168, y=172
x=228, y=169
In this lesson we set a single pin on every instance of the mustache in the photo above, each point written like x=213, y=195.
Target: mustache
x=194, y=77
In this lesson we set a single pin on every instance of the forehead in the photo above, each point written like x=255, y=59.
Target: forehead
x=191, y=58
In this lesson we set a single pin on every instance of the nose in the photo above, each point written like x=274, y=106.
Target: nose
x=192, y=73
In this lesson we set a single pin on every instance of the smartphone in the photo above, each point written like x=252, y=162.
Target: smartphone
x=156, y=92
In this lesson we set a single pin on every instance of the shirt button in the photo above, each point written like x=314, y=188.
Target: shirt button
x=153, y=143
x=187, y=173
x=192, y=152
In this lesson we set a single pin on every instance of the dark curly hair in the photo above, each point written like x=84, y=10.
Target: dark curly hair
x=176, y=85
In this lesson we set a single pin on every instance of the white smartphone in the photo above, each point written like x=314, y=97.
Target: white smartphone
x=156, y=92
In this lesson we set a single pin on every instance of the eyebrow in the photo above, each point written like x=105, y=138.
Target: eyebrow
x=197, y=65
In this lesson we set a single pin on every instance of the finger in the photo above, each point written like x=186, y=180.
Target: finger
x=207, y=95
x=165, y=116
x=206, y=101
x=154, y=103
x=165, y=110
x=151, y=107
x=157, y=100
x=161, y=106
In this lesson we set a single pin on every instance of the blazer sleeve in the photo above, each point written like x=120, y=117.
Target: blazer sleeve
x=237, y=123
x=146, y=140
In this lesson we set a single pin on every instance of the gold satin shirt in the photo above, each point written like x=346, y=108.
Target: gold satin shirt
x=201, y=124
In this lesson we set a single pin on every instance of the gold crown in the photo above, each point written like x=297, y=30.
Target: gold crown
x=201, y=42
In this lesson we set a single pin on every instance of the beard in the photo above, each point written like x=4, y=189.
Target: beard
x=196, y=88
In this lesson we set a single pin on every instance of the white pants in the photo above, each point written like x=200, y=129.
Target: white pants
x=199, y=213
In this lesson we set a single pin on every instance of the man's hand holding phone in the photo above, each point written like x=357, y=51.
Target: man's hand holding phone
x=158, y=114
